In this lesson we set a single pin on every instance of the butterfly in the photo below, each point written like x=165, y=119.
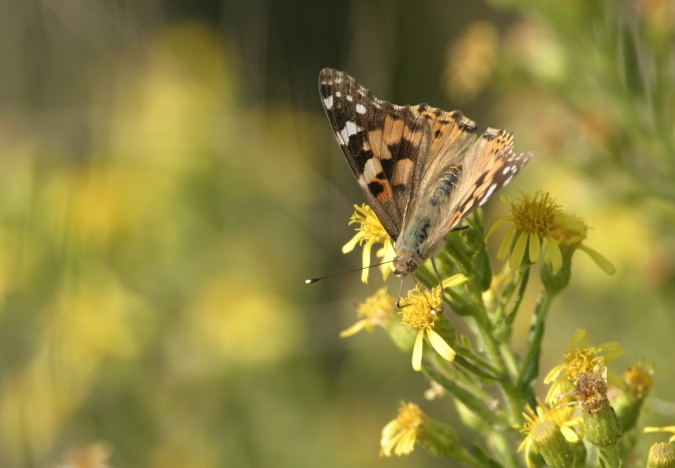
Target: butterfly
x=422, y=169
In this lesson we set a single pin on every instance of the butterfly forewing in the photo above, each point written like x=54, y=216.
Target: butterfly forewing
x=381, y=141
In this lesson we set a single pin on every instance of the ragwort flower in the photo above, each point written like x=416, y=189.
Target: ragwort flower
x=539, y=226
x=579, y=359
x=561, y=416
x=412, y=426
x=420, y=313
x=399, y=435
x=369, y=232
x=377, y=310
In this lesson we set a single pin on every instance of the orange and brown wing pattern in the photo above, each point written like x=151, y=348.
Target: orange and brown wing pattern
x=382, y=143
x=421, y=169
x=489, y=165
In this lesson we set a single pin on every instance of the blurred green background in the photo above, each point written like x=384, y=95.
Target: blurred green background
x=168, y=180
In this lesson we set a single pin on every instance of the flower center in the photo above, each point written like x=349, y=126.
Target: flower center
x=538, y=214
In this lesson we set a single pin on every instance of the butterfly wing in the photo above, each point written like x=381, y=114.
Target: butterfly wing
x=382, y=142
x=451, y=190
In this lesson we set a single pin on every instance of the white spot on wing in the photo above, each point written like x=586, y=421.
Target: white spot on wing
x=508, y=179
x=344, y=136
x=360, y=108
x=489, y=192
x=371, y=169
x=328, y=102
x=506, y=170
x=349, y=98
x=338, y=94
x=352, y=128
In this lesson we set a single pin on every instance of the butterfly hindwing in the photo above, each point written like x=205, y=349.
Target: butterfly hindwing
x=489, y=164
x=381, y=141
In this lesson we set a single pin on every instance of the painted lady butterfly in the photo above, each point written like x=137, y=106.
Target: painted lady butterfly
x=422, y=169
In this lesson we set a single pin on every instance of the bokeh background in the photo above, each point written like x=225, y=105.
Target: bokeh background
x=168, y=180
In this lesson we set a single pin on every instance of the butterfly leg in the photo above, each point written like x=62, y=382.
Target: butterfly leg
x=440, y=282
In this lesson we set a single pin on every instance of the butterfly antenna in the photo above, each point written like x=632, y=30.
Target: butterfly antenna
x=314, y=280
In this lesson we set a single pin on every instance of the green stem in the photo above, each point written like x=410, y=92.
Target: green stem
x=524, y=279
x=609, y=456
x=530, y=367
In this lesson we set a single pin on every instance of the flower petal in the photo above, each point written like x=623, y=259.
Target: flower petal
x=599, y=259
x=441, y=347
x=454, y=280
x=518, y=251
x=365, y=261
x=354, y=329
x=417, y=351
x=569, y=434
x=554, y=253
x=497, y=224
x=349, y=246
x=505, y=246
x=535, y=247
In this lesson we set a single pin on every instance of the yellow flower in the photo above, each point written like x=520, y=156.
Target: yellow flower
x=377, y=310
x=538, y=226
x=533, y=220
x=570, y=234
x=670, y=429
x=579, y=359
x=420, y=313
x=400, y=434
x=369, y=232
x=562, y=416
x=638, y=378
x=472, y=60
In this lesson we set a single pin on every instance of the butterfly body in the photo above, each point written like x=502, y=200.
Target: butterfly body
x=421, y=169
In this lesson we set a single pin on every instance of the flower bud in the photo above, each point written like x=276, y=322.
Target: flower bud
x=552, y=445
x=661, y=455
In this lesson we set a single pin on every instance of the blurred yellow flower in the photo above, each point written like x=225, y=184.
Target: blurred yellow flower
x=472, y=60
x=639, y=378
x=369, y=232
x=399, y=435
x=375, y=311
